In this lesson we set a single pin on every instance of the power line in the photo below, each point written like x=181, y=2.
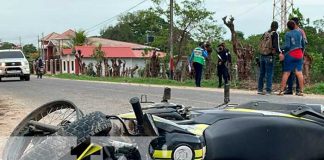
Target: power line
x=250, y=9
x=93, y=28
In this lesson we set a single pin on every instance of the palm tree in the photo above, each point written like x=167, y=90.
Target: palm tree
x=79, y=39
x=99, y=56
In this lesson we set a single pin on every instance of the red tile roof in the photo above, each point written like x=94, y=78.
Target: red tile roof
x=66, y=35
x=113, y=43
x=53, y=35
x=118, y=52
x=111, y=52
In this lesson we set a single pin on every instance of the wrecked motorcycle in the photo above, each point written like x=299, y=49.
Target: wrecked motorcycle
x=251, y=131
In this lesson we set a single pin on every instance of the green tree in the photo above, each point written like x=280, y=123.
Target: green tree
x=134, y=27
x=302, y=21
x=319, y=25
x=193, y=22
x=254, y=40
x=28, y=49
x=240, y=35
x=99, y=56
x=79, y=39
x=6, y=45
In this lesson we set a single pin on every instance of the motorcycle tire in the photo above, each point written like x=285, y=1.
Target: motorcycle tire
x=21, y=136
x=57, y=146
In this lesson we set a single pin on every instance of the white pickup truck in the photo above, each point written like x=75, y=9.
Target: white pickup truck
x=13, y=63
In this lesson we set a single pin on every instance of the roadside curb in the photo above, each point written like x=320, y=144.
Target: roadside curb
x=246, y=92
x=156, y=85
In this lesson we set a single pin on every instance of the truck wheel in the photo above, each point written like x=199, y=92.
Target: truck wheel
x=27, y=78
x=0, y=79
x=54, y=147
x=22, y=78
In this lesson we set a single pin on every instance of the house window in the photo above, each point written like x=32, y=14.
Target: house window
x=72, y=65
x=64, y=66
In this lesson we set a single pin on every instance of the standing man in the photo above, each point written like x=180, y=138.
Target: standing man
x=39, y=68
x=197, y=59
x=224, y=61
x=269, y=47
x=292, y=77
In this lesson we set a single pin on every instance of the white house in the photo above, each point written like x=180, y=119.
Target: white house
x=131, y=56
x=59, y=57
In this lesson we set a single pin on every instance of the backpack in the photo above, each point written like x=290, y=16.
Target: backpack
x=265, y=45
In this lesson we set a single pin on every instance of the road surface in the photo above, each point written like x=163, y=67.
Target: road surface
x=113, y=98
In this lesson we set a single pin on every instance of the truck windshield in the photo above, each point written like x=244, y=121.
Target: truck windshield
x=11, y=54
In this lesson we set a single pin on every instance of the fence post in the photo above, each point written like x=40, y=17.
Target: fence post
x=51, y=66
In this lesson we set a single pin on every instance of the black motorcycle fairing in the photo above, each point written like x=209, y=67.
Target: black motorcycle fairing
x=268, y=106
x=211, y=116
x=284, y=108
x=278, y=138
x=167, y=113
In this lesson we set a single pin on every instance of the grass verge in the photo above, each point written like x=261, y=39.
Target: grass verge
x=313, y=89
x=157, y=81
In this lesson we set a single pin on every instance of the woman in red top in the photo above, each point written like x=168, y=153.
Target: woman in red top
x=293, y=58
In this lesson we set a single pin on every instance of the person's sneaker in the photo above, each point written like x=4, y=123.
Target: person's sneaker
x=281, y=93
x=288, y=92
x=300, y=94
x=297, y=92
x=260, y=93
x=268, y=94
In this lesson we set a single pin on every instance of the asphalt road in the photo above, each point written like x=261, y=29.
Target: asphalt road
x=113, y=98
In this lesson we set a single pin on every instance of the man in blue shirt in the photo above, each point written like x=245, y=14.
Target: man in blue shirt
x=197, y=59
x=292, y=76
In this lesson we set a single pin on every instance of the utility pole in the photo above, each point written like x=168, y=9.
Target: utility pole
x=42, y=47
x=171, y=40
x=281, y=10
x=38, y=46
x=21, y=47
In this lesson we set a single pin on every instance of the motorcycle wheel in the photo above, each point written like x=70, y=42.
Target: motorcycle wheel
x=58, y=146
x=56, y=113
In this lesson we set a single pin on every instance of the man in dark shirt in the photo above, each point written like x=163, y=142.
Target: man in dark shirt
x=39, y=68
x=224, y=61
x=267, y=60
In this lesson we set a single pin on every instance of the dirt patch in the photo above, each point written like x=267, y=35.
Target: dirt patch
x=11, y=114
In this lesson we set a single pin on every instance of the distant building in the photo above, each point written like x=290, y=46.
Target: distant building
x=52, y=48
x=60, y=57
x=129, y=56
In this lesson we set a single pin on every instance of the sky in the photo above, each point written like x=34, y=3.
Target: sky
x=29, y=19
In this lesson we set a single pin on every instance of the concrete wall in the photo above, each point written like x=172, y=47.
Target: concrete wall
x=68, y=60
x=130, y=63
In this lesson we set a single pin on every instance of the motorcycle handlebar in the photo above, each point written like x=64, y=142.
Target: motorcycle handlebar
x=138, y=113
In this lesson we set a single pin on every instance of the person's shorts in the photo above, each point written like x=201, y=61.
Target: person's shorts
x=292, y=64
